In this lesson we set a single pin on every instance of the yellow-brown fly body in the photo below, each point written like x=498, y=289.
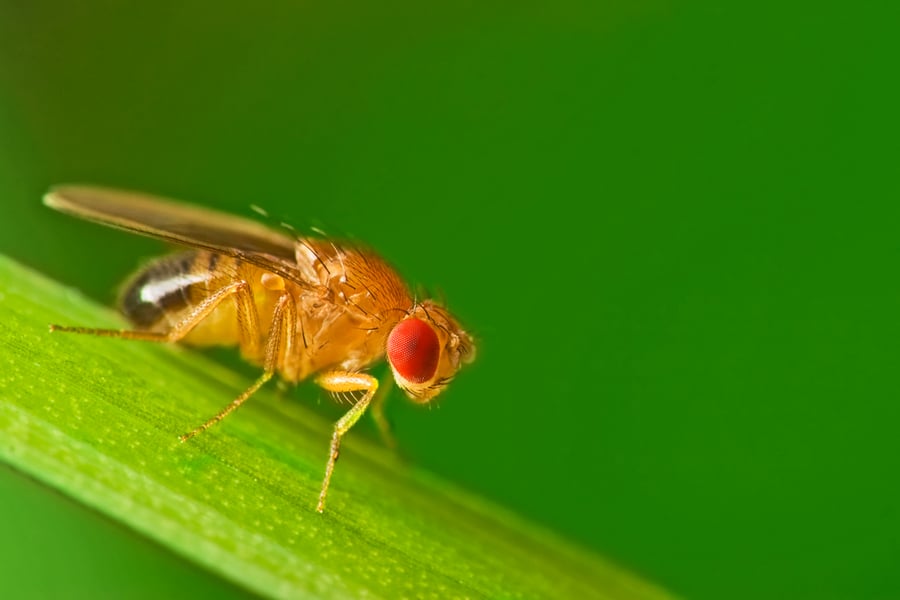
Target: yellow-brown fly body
x=298, y=307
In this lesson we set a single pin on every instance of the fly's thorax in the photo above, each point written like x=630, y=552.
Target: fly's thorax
x=353, y=279
x=345, y=314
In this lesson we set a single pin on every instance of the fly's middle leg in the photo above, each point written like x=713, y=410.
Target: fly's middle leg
x=279, y=344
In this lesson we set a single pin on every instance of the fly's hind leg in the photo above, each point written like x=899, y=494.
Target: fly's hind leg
x=279, y=344
x=344, y=381
x=247, y=318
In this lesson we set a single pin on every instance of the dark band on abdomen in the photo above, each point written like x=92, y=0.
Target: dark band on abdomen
x=161, y=288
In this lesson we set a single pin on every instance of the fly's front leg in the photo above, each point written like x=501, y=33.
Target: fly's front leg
x=280, y=341
x=343, y=381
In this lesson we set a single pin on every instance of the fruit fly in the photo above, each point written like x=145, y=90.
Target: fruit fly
x=298, y=306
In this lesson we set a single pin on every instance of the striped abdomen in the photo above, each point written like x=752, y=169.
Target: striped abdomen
x=168, y=287
x=169, y=290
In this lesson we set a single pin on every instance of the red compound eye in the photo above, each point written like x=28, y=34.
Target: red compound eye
x=413, y=350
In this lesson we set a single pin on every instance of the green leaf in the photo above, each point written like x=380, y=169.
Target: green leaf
x=98, y=419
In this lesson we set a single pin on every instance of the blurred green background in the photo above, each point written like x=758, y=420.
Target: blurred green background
x=673, y=227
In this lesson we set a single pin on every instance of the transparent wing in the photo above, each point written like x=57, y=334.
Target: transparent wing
x=182, y=224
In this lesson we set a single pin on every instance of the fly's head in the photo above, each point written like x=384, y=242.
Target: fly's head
x=426, y=349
